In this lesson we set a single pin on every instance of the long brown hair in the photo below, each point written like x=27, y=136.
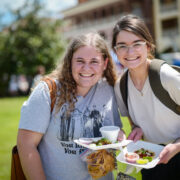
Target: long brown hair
x=64, y=73
x=137, y=26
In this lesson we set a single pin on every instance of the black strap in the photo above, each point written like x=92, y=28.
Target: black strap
x=158, y=90
x=124, y=87
x=155, y=83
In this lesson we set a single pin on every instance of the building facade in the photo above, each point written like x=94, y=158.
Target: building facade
x=167, y=25
x=161, y=16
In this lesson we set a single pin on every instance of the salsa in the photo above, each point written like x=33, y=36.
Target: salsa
x=145, y=154
x=102, y=141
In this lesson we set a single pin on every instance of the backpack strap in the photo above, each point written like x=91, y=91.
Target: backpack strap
x=177, y=68
x=52, y=90
x=123, y=85
x=158, y=90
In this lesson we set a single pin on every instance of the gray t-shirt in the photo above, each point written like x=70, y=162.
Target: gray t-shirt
x=59, y=154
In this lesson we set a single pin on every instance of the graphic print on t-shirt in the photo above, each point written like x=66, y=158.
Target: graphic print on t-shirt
x=97, y=119
x=90, y=123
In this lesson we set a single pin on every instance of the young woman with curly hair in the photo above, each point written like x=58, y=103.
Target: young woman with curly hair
x=85, y=101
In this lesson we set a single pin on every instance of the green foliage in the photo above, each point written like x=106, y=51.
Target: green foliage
x=29, y=42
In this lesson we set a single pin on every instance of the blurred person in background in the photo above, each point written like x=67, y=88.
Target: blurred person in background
x=13, y=85
x=40, y=73
x=176, y=59
x=23, y=85
x=119, y=67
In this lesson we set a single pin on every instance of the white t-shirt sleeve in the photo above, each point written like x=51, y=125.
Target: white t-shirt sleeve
x=36, y=111
x=120, y=102
x=170, y=80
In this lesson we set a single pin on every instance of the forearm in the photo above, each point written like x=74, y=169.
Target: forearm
x=136, y=132
x=169, y=151
x=31, y=162
x=132, y=123
x=177, y=143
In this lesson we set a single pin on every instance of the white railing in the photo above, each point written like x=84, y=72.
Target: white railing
x=170, y=41
x=95, y=24
x=172, y=32
x=168, y=7
x=98, y=24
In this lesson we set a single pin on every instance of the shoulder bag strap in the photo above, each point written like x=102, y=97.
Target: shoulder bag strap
x=158, y=90
x=52, y=89
x=124, y=87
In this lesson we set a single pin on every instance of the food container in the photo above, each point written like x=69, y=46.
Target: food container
x=134, y=146
x=110, y=132
x=131, y=157
x=86, y=140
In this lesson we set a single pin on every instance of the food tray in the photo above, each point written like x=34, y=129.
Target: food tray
x=108, y=146
x=131, y=147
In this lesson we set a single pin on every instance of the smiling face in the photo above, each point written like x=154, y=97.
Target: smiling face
x=135, y=52
x=88, y=66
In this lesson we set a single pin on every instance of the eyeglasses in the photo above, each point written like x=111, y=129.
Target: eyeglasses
x=121, y=48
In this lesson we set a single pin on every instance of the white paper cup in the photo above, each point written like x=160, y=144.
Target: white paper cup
x=110, y=132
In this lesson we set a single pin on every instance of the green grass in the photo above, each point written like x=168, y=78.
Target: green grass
x=9, y=120
x=121, y=166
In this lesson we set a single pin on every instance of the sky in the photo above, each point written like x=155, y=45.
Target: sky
x=53, y=6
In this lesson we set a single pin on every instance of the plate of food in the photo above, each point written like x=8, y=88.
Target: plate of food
x=141, y=154
x=100, y=143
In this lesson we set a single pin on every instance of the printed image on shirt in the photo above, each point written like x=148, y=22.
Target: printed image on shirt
x=90, y=122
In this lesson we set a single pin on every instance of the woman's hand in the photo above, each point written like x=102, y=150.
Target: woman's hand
x=121, y=135
x=136, y=134
x=168, y=152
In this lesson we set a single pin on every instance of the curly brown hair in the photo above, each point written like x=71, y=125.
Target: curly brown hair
x=63, y=73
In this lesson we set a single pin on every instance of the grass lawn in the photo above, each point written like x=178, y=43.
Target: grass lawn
x=121, y=166
x=9, y=120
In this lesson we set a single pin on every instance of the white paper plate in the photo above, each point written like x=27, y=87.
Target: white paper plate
x=108, y=146
x=131, y=147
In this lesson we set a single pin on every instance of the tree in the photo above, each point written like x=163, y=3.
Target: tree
x=28, y=42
